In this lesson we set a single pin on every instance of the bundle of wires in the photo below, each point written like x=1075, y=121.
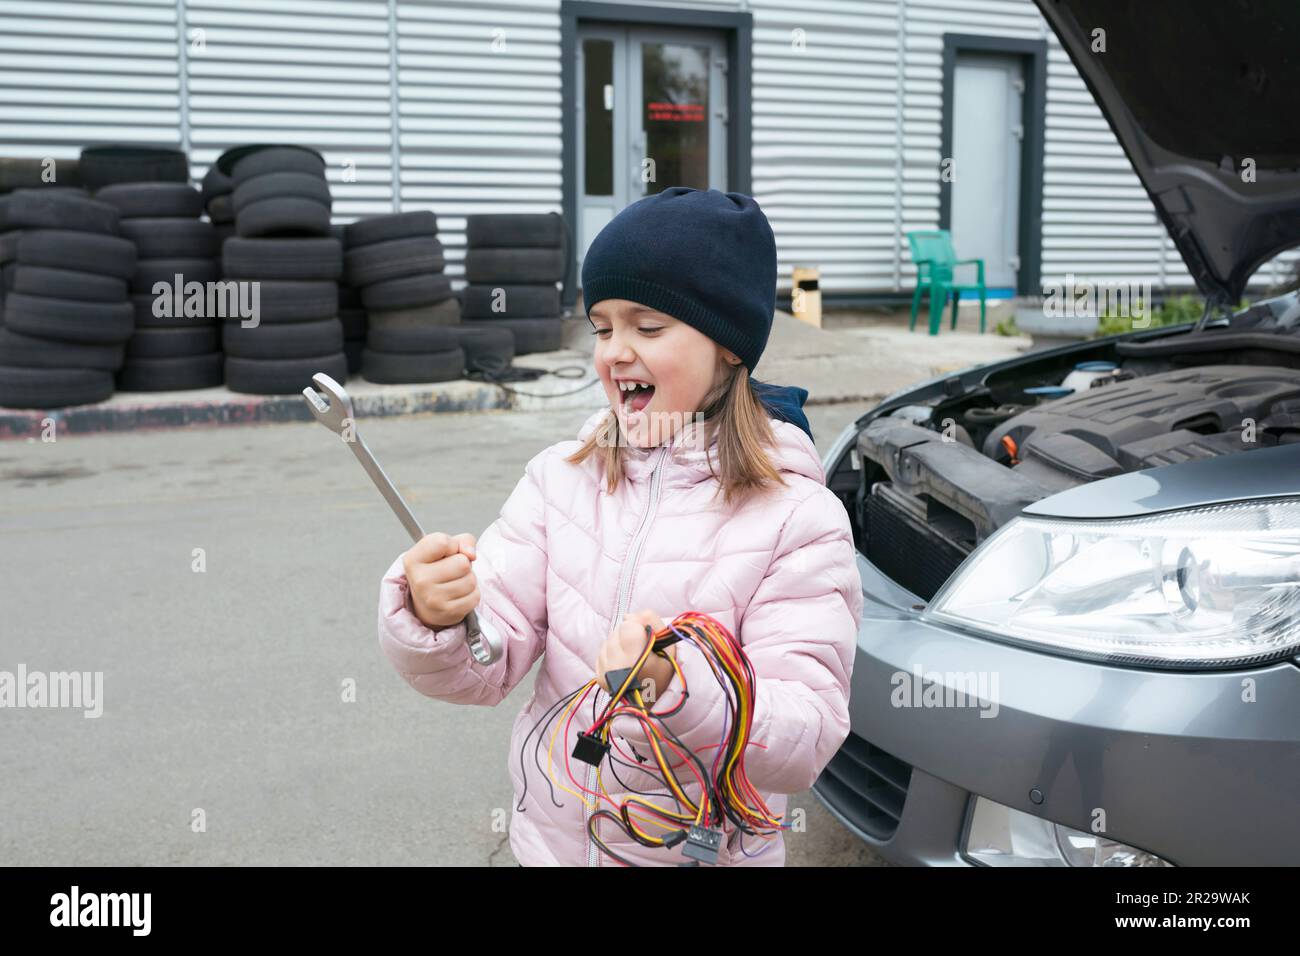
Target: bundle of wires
x=724, y=794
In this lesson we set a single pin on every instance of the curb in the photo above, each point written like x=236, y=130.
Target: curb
x=216, y=407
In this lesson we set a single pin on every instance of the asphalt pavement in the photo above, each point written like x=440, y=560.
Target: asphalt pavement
x=224, y=581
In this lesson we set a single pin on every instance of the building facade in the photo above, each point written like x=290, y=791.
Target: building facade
x=852, y=122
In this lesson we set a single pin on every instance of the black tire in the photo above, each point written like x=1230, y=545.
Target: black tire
x=406, y=292
x=296, y=301
x=32, y=351
x=401, y=225
x=389, y=368
x=446, y=312
x=9, y=245
x=221, y=210
x=149, y=272
x=95, y=323
x=303, y=258
x=531, y=335
x=290, y=340
x=171, y=238
x=53, y=387
x=170, y=374
x=514, y=230
x=81, y=251
x=6, y=229
x=282, y=376
x=431, y=338
x=265, y=302
x=394, y=259
x=244, y=162
x=355, y=323
x=30, y=174
x=45, y=209
x=153, y=200
x=272, y=185
x=215, y=183
x=514, y=266
x=142, y=305
x=518, y=301
x=283, y=216
x=174, y=342
x=102, y=166
x=486, y=349
x=67, y=284
x=350, y=296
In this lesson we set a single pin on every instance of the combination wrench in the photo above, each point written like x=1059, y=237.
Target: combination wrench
x=334, y=411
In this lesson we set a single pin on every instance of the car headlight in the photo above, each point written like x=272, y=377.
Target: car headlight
x=1217, y=586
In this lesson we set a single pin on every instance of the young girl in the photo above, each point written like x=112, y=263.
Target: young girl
x=699, y=491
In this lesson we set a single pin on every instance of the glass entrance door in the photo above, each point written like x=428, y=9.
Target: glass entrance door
x=652, y=115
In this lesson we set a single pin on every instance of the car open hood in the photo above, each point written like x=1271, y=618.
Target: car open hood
x=1193, y=90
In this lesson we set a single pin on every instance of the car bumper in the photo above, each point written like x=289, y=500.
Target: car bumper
x=1200, y=768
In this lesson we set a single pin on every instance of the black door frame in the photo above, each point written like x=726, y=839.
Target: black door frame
x=1033, y=53
x=737, y=29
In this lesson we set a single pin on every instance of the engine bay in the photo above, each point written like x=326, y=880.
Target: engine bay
x=932, y=479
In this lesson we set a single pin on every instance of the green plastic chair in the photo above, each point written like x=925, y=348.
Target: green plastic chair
x=936, y=263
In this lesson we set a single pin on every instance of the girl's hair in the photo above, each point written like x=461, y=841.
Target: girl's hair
x=741, y=422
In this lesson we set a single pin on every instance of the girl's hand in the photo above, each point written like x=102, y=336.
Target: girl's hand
x=443, y=588
x=623, y=649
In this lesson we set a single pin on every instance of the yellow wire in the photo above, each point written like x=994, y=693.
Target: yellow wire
x=589, y=803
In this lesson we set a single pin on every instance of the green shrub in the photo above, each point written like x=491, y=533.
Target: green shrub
x=1007, y=326
x=1173, y=311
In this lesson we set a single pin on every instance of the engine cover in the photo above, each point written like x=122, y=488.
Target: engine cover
x=1159, y=419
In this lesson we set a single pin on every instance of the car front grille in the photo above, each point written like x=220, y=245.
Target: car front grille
x=867, y=786
x=903, y=544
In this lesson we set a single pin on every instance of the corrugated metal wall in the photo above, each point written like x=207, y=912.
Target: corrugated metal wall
x=827, y=138
x=315, y=72
x=479, y=111
x=848, y=101
x=78, y=73
x=846, y=117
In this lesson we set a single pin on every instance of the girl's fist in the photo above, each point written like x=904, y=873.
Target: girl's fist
x=623, y=649
x=443, y=588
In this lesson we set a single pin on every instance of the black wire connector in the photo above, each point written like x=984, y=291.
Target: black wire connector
x=702, y=844
x=590, y=749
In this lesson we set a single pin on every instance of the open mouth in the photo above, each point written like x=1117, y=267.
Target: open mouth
x=637, y=397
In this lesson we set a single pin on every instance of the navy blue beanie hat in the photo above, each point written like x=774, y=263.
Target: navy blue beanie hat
x=705, y=257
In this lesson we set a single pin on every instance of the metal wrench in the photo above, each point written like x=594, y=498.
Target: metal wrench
x=334, y=411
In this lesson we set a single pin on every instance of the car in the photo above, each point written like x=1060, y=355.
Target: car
x=1081, y=566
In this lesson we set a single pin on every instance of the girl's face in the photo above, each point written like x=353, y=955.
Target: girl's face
x=635, y=343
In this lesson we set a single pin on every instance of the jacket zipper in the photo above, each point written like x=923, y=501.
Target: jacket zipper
x=624, y=595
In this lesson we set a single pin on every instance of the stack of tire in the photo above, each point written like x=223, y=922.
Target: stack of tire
x=512, y=264
x=177, y=343
x=397, y=263
x=352, y=311
x=282, y=243
x=23, y=173
x=66, y=313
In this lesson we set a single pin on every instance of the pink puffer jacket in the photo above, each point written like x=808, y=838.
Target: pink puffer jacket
x=566, y=561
